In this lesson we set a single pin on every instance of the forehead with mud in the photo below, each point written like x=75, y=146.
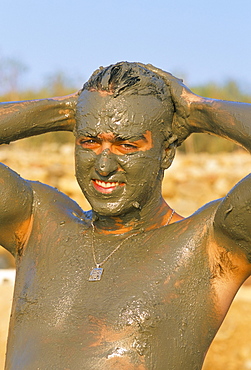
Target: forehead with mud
x=125, y=95
x=124, y=116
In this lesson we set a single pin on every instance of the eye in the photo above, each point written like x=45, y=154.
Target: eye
x=127, y=147
x=88, y=142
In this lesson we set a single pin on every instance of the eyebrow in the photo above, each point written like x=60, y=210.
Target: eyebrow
x=130, y=138
x=118, y=137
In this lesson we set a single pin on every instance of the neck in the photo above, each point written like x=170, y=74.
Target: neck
x=135, y=220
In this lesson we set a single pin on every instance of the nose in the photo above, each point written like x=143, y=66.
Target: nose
x=106, y=163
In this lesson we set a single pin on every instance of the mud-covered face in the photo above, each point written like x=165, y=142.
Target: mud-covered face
x=119, y=151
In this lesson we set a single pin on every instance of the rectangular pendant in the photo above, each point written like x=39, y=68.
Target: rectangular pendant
x=96, y=274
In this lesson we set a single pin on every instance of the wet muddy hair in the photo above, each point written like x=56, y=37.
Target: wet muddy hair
x=128, y=78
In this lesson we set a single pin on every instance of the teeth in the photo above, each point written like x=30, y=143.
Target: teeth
x=106, y=184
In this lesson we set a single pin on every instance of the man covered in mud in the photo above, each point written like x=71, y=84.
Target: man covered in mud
x=129, y=284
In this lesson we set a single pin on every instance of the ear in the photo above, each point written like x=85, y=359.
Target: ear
x=169, y=150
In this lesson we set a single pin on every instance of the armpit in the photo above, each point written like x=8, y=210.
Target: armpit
x=222, y=263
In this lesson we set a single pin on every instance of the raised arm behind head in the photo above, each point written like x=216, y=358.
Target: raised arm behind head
x=28, y=118
x=19, y=120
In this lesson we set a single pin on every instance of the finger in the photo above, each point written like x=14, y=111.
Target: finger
x=165, y=75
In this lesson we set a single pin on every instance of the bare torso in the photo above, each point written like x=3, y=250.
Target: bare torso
x=165, y=292
x=157, y=305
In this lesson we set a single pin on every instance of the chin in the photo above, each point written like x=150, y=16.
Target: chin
x=110, y=209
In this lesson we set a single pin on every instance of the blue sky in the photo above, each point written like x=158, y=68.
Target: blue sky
x=199, y=41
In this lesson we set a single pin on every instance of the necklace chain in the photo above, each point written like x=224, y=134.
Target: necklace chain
x=96, y=273
x=112, y=252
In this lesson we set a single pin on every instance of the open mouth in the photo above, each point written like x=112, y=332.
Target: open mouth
x=106, y=187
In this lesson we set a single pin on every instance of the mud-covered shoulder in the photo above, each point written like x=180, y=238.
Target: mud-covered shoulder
x=232, y=221
x=195, y=232
x=191, y=235
x=48, y=199
x=205, y=214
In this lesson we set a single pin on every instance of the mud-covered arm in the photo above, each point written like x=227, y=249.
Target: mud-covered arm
x=19, y=120
x=193, y=113
x=232, y=222
x=28, y=118
x=231, y=120
x=16, y=198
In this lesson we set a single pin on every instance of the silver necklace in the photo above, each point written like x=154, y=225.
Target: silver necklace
x=96, y=272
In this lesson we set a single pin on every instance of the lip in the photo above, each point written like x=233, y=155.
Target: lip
x=106, y=187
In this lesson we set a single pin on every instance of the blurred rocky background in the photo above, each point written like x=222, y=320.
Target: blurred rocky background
x=205, y=168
